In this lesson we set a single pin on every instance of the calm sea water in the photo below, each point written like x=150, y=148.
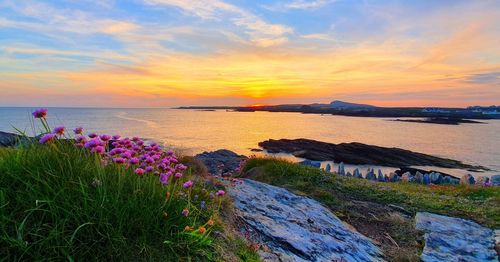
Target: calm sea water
x=197, y=131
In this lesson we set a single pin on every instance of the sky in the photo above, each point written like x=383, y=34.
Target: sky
x=164, y=53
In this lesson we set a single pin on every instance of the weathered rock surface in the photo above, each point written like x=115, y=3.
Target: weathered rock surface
x=359, y=154
x=223, y=161
x=9, y=139
x=455, y=239
x=297, y=228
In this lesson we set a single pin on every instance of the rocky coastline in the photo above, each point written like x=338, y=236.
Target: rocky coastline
x=360, y=154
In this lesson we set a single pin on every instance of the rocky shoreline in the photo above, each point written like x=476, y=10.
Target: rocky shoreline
x=360, y=154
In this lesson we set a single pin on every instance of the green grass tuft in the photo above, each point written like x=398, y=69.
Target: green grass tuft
x=58, y=202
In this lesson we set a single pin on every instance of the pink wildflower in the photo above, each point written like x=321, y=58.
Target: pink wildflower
x=220, y=193
x=149, y=169
x=185, y=212
x=93, y=135
x=133, y=161
x=164, y=178
x=188, y=184
x=59, y=130
x=40, y=113
x=178, y=175
x=139, y=171
x=180, y=167
x=80, y=139
x=78, y=131
x=119, y=160
x=116, y=137
x=149, y=160
x=105, y=137
x=98, y=149
x=47, y=138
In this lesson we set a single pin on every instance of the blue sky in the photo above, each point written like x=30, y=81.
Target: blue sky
x=178, y=52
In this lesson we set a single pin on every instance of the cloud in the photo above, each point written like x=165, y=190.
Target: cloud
x=261, y=33
x=298, y=4
x=485, y=78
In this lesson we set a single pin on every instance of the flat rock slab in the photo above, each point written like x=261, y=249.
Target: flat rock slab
x=297, y=228
x=222, y=160
x=455, y=239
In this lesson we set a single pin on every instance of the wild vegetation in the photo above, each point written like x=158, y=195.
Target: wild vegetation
x=102, y=197
x=381, y=211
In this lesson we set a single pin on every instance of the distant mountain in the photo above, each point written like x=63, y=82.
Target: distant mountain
x=341, y=105
x=346, y=105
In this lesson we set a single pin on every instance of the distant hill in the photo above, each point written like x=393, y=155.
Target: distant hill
x=346, y=105
x=341, y=105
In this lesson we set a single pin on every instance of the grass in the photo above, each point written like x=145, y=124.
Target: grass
x=364, y=204
x=58, y=202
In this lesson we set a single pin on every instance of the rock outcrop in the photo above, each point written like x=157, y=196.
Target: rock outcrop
x=296, y=228
x=455, y=239
x=9, y=139
x=221, y=161
x=359, y=154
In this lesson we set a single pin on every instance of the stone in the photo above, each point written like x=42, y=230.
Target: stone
x=406, y=177
x=436, y=178
x=386, y=178
x=357, y=174
x=297, y=228
x=495, y=180
x=455, y=239
x=467, y=180
x=328, y=168
x=380, y=176
x=341, y=170
x=419, y=177
x=426, y=179
x=9, y=139
x=348, y=174
x=447, y=180
x=310, y=163
x=221, y=161
x=370, y=175
x=393, y=177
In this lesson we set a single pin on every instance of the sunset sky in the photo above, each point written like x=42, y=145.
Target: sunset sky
x=162, y=53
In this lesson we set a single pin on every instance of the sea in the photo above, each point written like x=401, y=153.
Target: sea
x=196, y=131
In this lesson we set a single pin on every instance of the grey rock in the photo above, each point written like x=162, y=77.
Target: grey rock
x=436, y=178
x=297, y=228
x=495, y=180
x=406, y=177
x=467, y=180
x=386, y=178
x=341, y=170
x=9, y=139
x=455, y=239
x=419, y=177
x=447, y=180
x=221, y=161
x=393, y=177
x=380, y=176
x=348, y=174
x=426, y=179
x=328, y=168
x=310, y=163
x=357, y=174
x=370, y=175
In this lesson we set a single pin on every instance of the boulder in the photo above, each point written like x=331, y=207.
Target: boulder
x=495, y=180
x=310, y=163
x=9, y=139
x=426, y=179
x=341, y=170
x=393, y=177
x=348, y=174
x=357, y=174
x=455, y=239
x=406, y=177
x=483, y=181
x=296, y=228
x=447, y=180
x=436, y=178
x=419, y=178
x=386, y=178
x=328, y=168
x=467, y=180
x=380, y=176
x=221, y=161
x=370, y=174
